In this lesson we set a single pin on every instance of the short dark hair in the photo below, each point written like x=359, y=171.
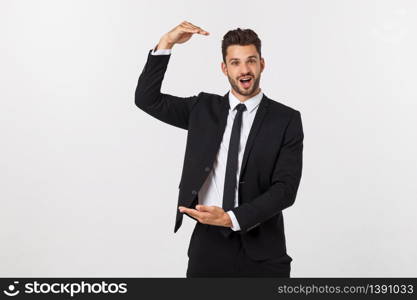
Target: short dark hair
x=240, y=37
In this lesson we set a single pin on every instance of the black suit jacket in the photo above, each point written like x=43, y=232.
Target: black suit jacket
x=272, y=161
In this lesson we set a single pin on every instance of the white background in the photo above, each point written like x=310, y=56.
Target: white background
x=88, y=182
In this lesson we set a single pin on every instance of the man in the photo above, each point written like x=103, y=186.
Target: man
x=242, y=164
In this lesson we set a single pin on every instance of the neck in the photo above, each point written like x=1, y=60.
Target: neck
x=243, y=98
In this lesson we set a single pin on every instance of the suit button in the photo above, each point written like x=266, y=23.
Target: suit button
x=207, y=169
x=194, y=192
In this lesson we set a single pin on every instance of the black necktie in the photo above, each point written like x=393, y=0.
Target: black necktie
x=232, y=159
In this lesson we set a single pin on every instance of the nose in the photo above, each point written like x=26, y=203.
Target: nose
x=244, y=70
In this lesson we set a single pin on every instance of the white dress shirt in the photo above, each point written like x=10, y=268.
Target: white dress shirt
x=211, y=192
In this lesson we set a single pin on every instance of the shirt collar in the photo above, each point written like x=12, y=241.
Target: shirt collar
x=250, y=104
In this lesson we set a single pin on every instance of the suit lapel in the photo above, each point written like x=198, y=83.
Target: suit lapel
x=224, y=112
x=256, y=125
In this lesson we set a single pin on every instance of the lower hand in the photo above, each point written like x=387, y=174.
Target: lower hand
x=211, y=215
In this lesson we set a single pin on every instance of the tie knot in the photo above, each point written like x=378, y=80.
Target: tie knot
x=241, y=107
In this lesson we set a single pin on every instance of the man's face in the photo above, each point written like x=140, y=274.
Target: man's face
x=243, y=62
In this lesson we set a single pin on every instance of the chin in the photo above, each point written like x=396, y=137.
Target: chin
x=247, y=92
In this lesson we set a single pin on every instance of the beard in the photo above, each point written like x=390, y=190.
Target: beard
x=240, y=90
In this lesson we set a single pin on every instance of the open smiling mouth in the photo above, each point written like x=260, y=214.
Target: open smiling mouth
x=246, y=82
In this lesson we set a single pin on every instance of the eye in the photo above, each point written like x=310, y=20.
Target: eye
x=234, y=63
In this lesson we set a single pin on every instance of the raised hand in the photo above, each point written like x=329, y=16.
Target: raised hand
x=179, y=34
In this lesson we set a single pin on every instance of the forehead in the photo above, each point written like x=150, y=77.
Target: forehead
x=241, y=52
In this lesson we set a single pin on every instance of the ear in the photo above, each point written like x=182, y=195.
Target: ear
x=224, y=68
x=262, y=62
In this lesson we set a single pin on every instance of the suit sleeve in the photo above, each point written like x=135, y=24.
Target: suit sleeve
x=167, y=108
x=285, y=180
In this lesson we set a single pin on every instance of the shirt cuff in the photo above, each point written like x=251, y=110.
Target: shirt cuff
x=235, y=223
x=161, y=51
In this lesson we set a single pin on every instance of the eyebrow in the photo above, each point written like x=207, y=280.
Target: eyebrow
x=252, y=56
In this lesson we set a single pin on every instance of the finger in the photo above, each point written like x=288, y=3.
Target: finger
x=198, y=29
x=200, y=207
x=189, y=24
x=203, y=32
x=188, y=28
x=190, y=211
x=192, y=25
x=183, y=208
x=205, y=208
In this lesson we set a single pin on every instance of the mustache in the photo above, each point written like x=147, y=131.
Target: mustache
x=247, y=75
